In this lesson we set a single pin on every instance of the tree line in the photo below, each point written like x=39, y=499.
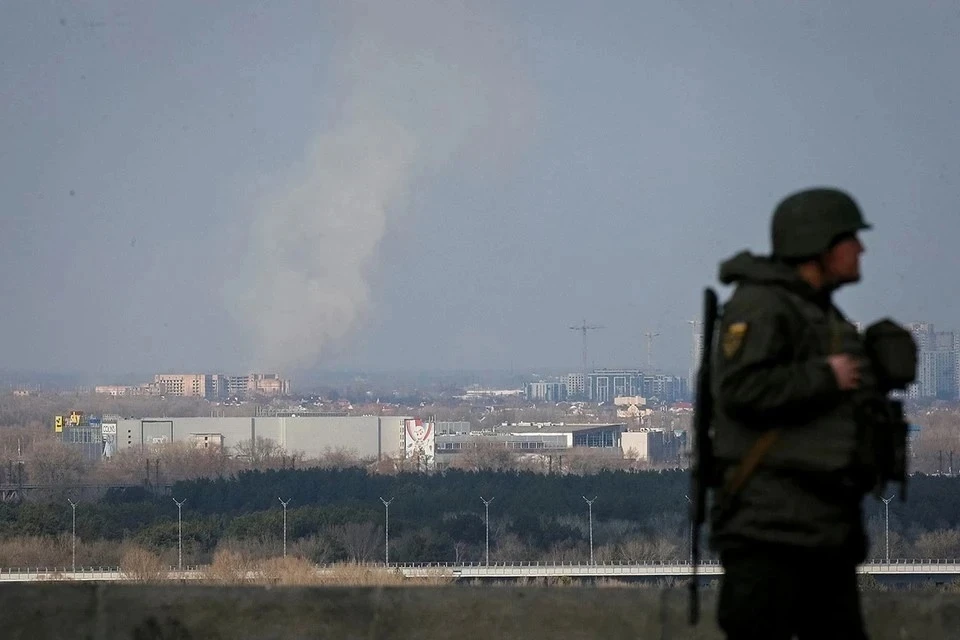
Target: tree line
x=336, y=515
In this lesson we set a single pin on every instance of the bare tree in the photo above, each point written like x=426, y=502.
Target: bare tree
x=338, y=458
x=937, y=545
x=360, y=540
x=649, y=550
x=260, y=452
x=509, y=547
x=140, y=565
x=486, y=456
x=320, y=549
x=586, y=461
x=460, y=551
x=55, y=465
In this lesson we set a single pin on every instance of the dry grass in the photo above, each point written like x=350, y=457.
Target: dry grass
x=33, y=551
x=362, y=575
x=140, y=565
x=288, y=572
x=231, y=567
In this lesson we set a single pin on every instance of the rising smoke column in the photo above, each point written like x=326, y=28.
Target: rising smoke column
x=424, y=84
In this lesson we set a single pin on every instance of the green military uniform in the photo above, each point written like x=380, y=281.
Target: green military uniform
x=788, y=522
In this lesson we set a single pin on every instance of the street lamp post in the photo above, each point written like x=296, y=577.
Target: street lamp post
x=690, y=502
x=590, y=510
x=886, y=523
x=73, y=506
x=284, y=524
x=179, y=504
x=386, y=531
x=486, y=508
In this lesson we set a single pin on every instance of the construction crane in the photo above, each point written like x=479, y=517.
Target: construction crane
x=583, y=328
x=650, y=336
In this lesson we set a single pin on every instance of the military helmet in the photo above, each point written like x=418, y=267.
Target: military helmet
x=806, y=223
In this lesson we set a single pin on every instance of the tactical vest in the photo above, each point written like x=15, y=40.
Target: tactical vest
x=824, y=439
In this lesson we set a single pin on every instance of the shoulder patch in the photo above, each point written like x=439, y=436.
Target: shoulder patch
x=733, y=338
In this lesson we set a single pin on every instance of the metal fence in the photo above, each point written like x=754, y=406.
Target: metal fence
x=916, y=568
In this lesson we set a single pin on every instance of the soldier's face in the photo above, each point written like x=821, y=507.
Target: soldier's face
x=842, y=262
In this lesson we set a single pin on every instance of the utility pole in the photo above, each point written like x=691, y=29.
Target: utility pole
x=386, y=532
x=179, y=504
x=486, y=507
x=886, y=523
x=284, y=524
x=590, y=507
x=583, y=328
x=73, y=505
x=650, y=336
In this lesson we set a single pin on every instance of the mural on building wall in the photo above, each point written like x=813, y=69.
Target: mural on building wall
x=419, y=441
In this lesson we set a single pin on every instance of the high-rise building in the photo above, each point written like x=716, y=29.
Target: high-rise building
x=938, y=367
x=606, y=384
x=696, y=352
x=265, y=384
x=546, y=391
x=944, y=341
x=937, y=376
x=217, y=386
x=575, y=385
x=923, y=334
x=663, y=387
x=190, y=385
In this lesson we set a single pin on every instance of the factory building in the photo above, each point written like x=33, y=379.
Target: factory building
x=533, y=438
x=654, y=445
x=363, y=436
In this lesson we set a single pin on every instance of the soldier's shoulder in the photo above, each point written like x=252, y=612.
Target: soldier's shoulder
x=756, y=296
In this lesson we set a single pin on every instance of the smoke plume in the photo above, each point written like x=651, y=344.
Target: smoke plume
x=422, y=86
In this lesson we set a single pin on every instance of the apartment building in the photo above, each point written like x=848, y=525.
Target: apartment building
x=217, y=386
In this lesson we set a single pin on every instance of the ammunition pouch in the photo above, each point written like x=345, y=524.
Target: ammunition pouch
x=882, y=441
x=881, y=425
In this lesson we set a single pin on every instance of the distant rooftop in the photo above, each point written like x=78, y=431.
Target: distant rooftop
x=558, y=428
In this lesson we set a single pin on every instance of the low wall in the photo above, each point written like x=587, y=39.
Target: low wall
x=98, y=612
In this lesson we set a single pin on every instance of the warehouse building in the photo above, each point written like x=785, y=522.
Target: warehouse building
x=363, y=436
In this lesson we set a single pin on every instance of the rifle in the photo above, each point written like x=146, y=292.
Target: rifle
x=702, y=469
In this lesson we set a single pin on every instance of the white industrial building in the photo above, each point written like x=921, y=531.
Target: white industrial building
x=653, y=445
x=363, y=436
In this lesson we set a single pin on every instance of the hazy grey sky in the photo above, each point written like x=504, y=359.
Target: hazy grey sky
x=249, y=185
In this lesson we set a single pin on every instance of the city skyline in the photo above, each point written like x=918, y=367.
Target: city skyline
x=682, y=367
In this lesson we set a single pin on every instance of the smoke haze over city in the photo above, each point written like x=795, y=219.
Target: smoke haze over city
x=345, y=185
